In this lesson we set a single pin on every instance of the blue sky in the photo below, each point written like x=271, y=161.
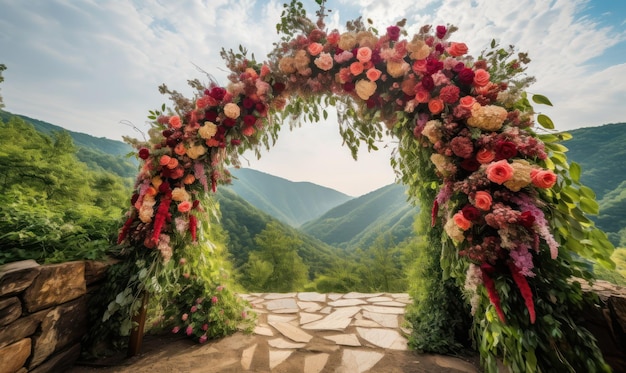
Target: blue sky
x=91, y=65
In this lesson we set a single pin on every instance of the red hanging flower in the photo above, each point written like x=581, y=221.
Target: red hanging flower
x=527, y=293
x=486, y=269
x=161, y=216
x=193, y=227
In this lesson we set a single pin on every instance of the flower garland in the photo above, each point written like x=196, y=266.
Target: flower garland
x=471, y=116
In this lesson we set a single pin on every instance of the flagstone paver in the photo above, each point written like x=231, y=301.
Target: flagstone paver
x=312, y=333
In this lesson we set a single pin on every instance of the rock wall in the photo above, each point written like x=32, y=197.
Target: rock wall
x=43, y=314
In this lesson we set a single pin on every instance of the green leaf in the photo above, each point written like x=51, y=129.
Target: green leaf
x=589, y=206
x=545, y=121
x=541, y=99
x=575, y=171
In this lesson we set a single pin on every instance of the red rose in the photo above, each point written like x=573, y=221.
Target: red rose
x=248, y=103
x=470, y=164
x=428, y=83
x=278, y=88
x=466, y=76
x=228, y=122
x=393, y=32
x=249, y=120
x=470, y=213
x=441, y=31
x=144, y=153
x=210, y=115
x=505, y=150
x=217, y=93
x=527, y=219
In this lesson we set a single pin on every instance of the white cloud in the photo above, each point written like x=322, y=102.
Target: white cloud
x=89, y=65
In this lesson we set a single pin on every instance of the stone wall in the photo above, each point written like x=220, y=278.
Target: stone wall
x=43, y=314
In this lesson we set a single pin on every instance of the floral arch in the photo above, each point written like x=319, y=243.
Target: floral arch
x=507, y=226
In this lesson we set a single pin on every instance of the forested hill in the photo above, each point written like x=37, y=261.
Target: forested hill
x=290, y=202
x=358, y=222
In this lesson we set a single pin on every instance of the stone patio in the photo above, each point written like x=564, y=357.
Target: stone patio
x=304, y=332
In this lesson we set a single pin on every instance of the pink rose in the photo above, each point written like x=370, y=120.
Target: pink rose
x=194, y=309
x=499, y=172
x=333, y=38
x=483, y=200
x=184, y=317
x=543, y=178
x=203, y=339
x=205, y=327
x=189, y=330
x=466, y=102
x=176, y=329
x=481, y=77
x=461, y=221
x=184, y=206
x=315, y=48
x=324, y=62
x=364, y=54
x=214, y=299
x=457, y=49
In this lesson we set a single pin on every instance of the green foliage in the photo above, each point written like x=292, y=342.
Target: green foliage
x=53, y=207
x=276, y=266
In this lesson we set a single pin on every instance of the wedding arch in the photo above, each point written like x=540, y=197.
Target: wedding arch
x=506, y=212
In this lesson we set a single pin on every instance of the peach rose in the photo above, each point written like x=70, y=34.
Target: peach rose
x=364, y=54
x=232, y=110
x=485, y=156
x=356, y=68
x=499, y=172
x=397, y=69
x=347, y=41
x=481, y=77
x=324, y=62
x=373, y=74
x=175, y=122
x=365, y=88
x=208, y=130
x=461, y=221
x=457, y=49
x=180, y=194
x=454, y=231
x=482, y=200
x=196, y=151
x=156, y=181
x=543, y=178
x=315, y=48
x=435, y=105
x=189, y=179
x=287, y=65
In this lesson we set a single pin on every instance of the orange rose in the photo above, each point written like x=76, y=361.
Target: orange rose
x=483, y=200
x=543, y=178
x=180, y=149
x=151, y=191
x=315, y=49
x=499, y=172
x=461, y=221
x=485, y=156
x=172, y=164
x=175, y=122
x=422, y=95
x=164, y=160
x=457, y=49
x=373, y=74
x=364, y=54
x=356, y=68
x=189, y=179
x=481, y=77
x=435, y=105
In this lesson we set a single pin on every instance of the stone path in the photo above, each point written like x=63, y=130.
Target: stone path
x=309, y=333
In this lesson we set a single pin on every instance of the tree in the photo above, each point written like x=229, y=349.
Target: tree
x=2, y=68
x=276, y=266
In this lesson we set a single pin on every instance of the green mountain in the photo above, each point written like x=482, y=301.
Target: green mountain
x=98, y=153
x=290, y=202
x=243, y=222
x=358, y=222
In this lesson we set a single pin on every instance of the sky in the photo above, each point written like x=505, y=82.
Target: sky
x=93, y=66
